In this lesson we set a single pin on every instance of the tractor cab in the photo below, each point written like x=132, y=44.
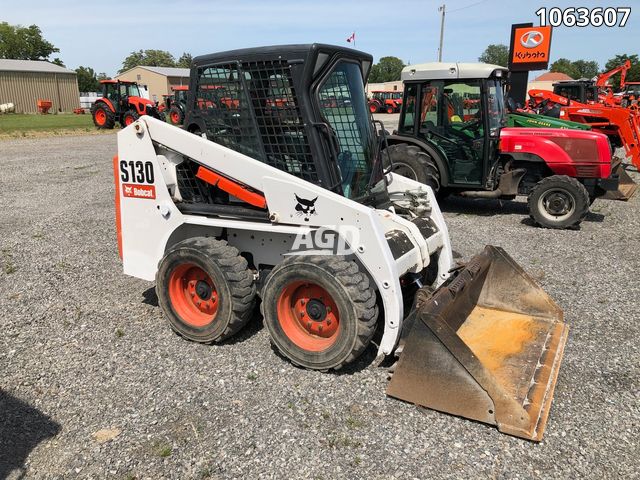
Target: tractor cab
x=630, y=94
x=460, y=108
x=582, y=91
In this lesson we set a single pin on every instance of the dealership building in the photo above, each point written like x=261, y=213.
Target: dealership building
x=158, y=80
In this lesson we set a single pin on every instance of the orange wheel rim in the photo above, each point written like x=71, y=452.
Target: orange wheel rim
x=101, y=117
x=175, y=118
x=308, y=316
x=128, y=120
x=193, y=295
x=373, y=108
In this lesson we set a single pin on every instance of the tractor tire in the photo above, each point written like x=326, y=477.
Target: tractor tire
x=374, y=106
x=129, y=117
x=320, y=311
x=205, y=289
x=390, y=109
x=176, y=117
x=414, y=163
x=558, y=202
x=102, y=116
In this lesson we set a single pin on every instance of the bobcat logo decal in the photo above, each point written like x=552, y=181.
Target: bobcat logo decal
x=305, y=207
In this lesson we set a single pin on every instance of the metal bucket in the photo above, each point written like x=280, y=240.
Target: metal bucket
x=487, y=346
x=626, y=186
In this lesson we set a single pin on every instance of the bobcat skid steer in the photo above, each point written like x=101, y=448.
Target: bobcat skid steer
x=287, y=200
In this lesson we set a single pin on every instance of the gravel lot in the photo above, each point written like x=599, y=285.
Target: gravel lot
x=84, y=348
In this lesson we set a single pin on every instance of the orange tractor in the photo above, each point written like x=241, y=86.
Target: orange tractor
x=121, y=102
x=385, y=101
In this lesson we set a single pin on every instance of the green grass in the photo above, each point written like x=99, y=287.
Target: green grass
x=13, y=122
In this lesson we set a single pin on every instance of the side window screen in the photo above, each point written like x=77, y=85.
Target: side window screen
x=226, y=110
x=408, y=118
x=252, y=108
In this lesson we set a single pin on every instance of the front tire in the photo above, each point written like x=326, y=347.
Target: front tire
x=176, y=117
x=205, y=289
x=558, y=202
x=129, y=117
x=414, y=163
x=320, y=311
x=102, y=116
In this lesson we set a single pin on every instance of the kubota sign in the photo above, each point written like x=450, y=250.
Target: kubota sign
x=530, y=47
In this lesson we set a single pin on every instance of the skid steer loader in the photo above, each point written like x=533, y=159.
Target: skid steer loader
x=290, y=203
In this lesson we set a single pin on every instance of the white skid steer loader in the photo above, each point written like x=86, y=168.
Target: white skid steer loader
x=285, y=198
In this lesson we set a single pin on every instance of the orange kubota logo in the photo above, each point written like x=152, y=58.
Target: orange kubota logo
x=531, y=45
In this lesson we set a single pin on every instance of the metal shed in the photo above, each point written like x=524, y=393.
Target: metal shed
x=24, y=82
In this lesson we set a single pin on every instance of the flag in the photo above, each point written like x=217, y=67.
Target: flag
x=352, y=38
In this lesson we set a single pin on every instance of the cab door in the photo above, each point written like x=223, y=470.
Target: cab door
x=451, y=115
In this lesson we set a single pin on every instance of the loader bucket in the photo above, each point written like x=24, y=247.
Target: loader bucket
x=626, y=186
x=487, y=346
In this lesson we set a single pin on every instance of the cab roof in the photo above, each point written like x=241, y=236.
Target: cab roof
x=451, y=70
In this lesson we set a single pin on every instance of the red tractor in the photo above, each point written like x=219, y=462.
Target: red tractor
x=175, y=104
x=121, y=102
x=451, y=136
x=385, y=101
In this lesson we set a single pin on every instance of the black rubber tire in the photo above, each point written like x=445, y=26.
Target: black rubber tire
x=111, y=117
x=233, y=281
x=178, y=112
x=389, y=109
x=349, y=289
x=129, y=113
x=412, y=162
x=571, y=187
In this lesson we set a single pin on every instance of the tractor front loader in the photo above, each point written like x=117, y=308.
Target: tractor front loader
x=294, y=207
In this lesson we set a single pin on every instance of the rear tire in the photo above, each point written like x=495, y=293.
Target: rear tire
x=390, y=109
x=320, y=311
x=176, y=117
x=102, y=115
x=205, y=289
x=558, y=202
x=414, y=163
x=129, y=117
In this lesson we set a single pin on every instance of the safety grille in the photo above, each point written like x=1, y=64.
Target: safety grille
x=263, y=122
x=191, y=188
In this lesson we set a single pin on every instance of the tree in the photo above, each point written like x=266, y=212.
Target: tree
x=57, y=61
x=495, y=54
x=576, y=69
x=564, y=65
x=586, y=68
x=102, y=76
x=184, y=61
x=87, y=79
x=24, y=43
x=387, y=69
x=633, y=75
x=150, y=58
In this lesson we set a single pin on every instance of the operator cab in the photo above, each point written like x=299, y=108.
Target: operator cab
x=303, y=111
x=461, y=109
x=582, y=91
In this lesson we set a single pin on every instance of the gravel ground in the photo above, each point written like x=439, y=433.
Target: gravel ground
x=93, y=384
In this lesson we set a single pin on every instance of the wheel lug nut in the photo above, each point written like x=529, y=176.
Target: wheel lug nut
x=320, y=328
x=302, y=302
x=301, y=314
x=309, y=325
x=328, y=309
x=328, y=322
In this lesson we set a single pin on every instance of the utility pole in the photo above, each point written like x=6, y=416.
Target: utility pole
x=441, y=9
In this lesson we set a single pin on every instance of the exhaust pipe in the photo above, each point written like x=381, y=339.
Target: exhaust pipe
x=507, y=186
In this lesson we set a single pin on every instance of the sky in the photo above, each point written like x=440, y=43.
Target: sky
x=103, y=35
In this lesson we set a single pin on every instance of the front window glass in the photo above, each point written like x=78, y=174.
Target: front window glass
x=344, y=106
x=408, y=116
x=132, y=90
x=496, y=107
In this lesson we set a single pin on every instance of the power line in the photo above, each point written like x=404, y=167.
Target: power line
x=468, y=6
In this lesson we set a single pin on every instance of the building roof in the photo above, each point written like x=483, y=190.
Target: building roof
x=166, y=71
x=31, y=66
x=445, y=70
x=552, y=77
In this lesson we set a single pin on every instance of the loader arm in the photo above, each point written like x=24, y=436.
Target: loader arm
x=162, y=146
